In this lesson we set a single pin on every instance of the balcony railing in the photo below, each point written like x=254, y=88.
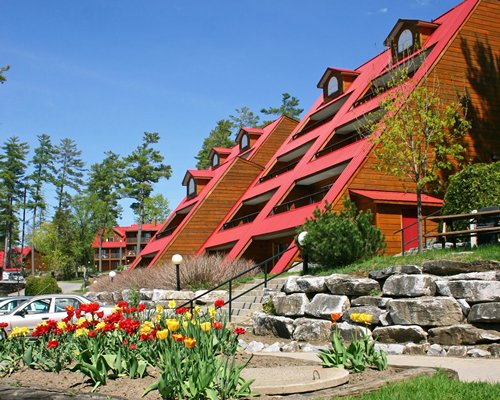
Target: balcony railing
x=273, y=174
x=301, y=201
x=339, y=145
x=240, y=221
x=167, y=232
x=132, y=240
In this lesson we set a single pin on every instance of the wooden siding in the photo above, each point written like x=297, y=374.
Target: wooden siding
x=212, y=210
x=471, y=63
x=280, y=133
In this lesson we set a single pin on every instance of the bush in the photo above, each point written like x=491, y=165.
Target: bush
x=341, y=239
x=41, y=285
x=201, y=272
x=472, y=188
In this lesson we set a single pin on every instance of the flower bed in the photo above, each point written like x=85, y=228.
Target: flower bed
x=193, y=349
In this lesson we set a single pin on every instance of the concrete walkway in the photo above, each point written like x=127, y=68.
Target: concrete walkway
x=468, y=369
x=66, y=287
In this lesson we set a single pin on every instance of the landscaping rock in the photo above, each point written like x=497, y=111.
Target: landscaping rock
x=311, y=348
x=464, y=306
x=181, y=295
x=272, y=348
x=416, y=349
x=471, y=291
x=385, y=319
x=323, y=305
x=385, y=273
x=395, y=349
x=425, y=311
x=457, y=351
x=307, y=329
x=445, y=267
x=375, y=312
x=478, y=353
x=210, y=297
x=351, y=286
x=462, y=334
x=105, y=298
x=494, y=349
x=485, y=312
x=293, y=346
x=400, y=334
x=474, y=276
x=264, y=324
x=146, y=294
x=254, y=347
x=403, y=285
x=311, y=284
x=292, y=305
x=436, y=350
x=374, y=301
x=347, y=331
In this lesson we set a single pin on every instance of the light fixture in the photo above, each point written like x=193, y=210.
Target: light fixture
x=177, y=259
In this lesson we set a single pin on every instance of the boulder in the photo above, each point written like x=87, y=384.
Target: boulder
x=449, y=267
x=385, y=273
x=403, y=285
x=457, y=351
x=273, y=348
x=292, y=305
x=436, y=350
x=374, y=301
x=209, y=298
x=290, y=285
x=146, y=294
x=464, y=306
x=395, y=349
x=478, y=353
x=105, y=298
x=181, y=295
x=254, y=347
x=375, y=312
x=485, y=312
x=462, y=334
x=471, y=291
x=425, y=311
x=311, y=284
x=494, y=349
x=348, y=331
x=474, y=276
x=416, y=349
x=351, y=286
x=291, y=347
x=323, y=305
x=264, y=324
x=307, y=329
x=400, y=334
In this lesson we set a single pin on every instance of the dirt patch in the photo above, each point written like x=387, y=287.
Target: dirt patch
x=75, y=383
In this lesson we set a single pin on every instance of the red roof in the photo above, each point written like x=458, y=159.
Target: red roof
x=381, y=196
x=24, y=252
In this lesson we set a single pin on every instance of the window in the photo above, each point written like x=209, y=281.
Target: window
x=62, y=303
x=215, y=160
x=405, y=40
x=244, y=142
x=333, y=86
x=191, y=188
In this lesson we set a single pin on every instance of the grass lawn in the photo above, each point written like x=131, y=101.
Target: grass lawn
x=435, y=387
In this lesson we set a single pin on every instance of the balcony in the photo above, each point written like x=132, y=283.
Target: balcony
x=301, y=201
x=275, y=173
x=240, y=221
x=133, y=240
x=337, y=144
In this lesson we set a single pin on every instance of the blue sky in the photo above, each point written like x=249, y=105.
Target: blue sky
x=104, y=71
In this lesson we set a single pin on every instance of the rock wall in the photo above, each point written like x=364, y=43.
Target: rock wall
x=442, y=307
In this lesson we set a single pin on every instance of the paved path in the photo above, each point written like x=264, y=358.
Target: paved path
x=66, y=287
x=468, y=369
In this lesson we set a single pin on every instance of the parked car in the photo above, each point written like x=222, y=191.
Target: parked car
x=42, y=308
x=10, y=303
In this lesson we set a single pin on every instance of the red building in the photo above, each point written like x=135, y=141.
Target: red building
x=117, y=246
x=326, y=157
x=21, y=258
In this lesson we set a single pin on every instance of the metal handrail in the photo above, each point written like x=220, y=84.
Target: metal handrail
x=344, y=142
x=235, y=222
x=301, y=201
x=229, y=282
x=279, y=171
x=402, y=230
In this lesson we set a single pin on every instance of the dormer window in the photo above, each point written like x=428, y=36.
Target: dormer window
x=335, y=82
x=191, y=188
x=333, y=85
x=244, y=142
x=215, y=160
x=408, y=36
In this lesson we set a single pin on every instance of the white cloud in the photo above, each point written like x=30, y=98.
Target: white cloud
x=383, y=10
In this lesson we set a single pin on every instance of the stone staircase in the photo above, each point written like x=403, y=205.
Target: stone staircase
x=244, y=306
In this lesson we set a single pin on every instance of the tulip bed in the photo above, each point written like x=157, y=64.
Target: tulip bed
x=194, y=350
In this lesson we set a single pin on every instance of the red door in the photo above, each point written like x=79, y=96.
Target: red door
x=410, y=228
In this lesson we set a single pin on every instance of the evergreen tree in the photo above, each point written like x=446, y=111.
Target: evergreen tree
x=289, y=107
x=220, y=136
x=70, y=168
x=156, y=208
x=243, y=118
x=2, y=76
x=143, y=168
x=12, y=171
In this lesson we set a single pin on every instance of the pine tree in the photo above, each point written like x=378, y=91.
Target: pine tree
x=289, y=107
x=243, y=118
x=143, y=168
x=70, y=168
x=220, y=136
x=2, y=76
x=12, y=172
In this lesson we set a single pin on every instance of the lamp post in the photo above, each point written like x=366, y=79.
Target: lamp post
x=112, y=275
x=121, y=252
x=177, y=259
x=305, y=257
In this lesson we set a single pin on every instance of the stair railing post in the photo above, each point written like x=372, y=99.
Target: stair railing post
x=265, y=275
x=403, y=242
x=230, y=298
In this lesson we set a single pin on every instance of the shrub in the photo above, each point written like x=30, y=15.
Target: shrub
x=472, y=188
x=200, y=272
x=41, y=285
x=338, y=239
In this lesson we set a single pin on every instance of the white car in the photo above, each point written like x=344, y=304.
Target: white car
x=10, y=303
x=42, y=308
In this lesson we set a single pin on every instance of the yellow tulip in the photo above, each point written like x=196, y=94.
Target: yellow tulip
x=190, y=343
x=162, y=335
x=61, y=325
x=159, y=308
x=205, y=326
x=172, y=304
x=172, y=325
